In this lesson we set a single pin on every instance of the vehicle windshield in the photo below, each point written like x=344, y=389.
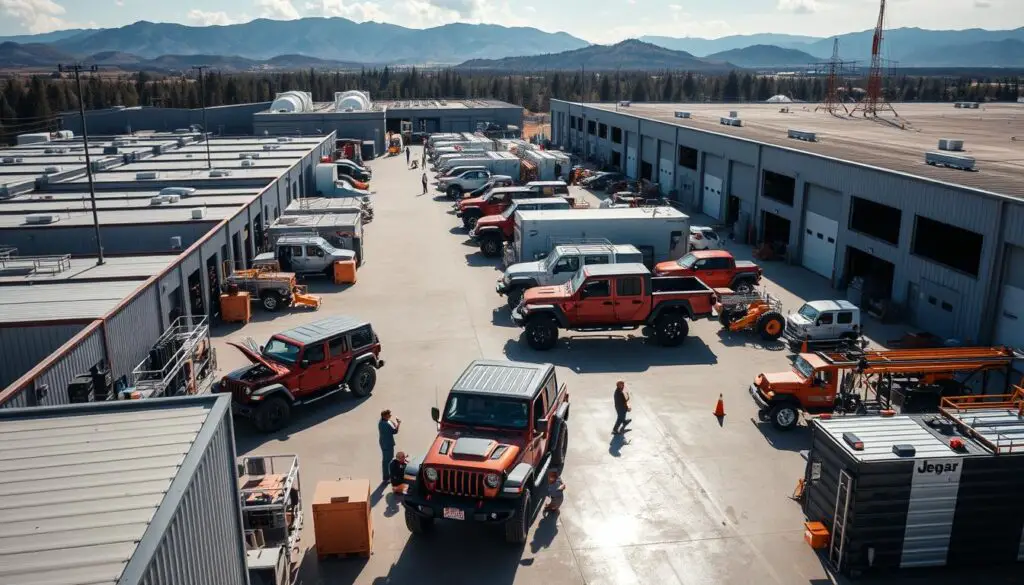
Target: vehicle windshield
x=511, y=209
x=549, y=261
x=281, y=351
x=687, y=261
x=804, y=367
x=487, y=411
x=810, y=313
x=577, y=280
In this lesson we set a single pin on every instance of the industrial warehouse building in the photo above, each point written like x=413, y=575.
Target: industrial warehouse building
x=121, y=492
x=170, y=226
x=850, y=198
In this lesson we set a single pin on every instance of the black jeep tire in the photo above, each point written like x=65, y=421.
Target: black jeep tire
x=560, y=448
x=419, y=525
x=725, y=317
x=518, y=526
x=514, y=296
x=771, y=325
x=671, y=329
x=541, y=333
x=469, y=220
x=271, y=301
x=272, y=415
x=743, y=287
x=490, y=246
x=363, y=380
x=784, y=416
x=454, y=191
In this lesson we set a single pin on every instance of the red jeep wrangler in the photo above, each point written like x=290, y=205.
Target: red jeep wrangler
x=614, y=297
x=303, y=365
x=504, y=425
x=717, y=268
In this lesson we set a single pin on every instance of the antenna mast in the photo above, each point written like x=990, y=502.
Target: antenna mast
x=833, y=101
x=874, y=101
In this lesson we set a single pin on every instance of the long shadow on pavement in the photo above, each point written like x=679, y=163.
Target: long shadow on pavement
x=796, y=439
x=247, y=438
x=476, y=259
x=614, y=353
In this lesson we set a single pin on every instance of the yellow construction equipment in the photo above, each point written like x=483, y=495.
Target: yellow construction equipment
x=756, y=311
x=272, y=288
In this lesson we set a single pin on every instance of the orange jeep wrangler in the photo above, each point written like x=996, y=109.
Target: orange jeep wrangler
x=503, y=426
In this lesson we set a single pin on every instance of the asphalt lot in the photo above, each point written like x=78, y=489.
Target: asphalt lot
x=681, y=499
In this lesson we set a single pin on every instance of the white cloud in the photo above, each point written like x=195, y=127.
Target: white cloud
x=798, y=6
x=278, y=9
x=36, y=16
x=203, y=18
x=423, y=13
x=119, y=2
x=982, y=4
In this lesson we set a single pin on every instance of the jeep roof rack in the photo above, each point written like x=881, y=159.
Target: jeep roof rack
x=323, y=328
x=501, y=377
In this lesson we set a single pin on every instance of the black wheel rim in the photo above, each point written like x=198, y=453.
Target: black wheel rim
x=364, y=380
x=671, y=330
x=491, y=247
x=275, y=416
x=541, y=335
x=270, y=303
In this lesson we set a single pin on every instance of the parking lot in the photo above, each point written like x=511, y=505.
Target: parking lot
x=682, y=498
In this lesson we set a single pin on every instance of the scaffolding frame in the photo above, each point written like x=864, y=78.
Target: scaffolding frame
x=195, y=351
x=995, y=420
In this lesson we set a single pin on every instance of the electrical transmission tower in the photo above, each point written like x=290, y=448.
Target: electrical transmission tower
x=836, y=71
x=874, y=102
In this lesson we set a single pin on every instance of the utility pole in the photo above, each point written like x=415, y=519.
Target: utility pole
x=77, y=69
x=202, y=101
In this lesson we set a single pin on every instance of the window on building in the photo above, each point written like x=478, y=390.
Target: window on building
x=572, y=122
x=688, y=157
x=646, y=170
x=602, y=130
x=948, y=245
x=616, y=135
x=591, y=127
x=779, y=187
x=875, y=220
x=616, y=159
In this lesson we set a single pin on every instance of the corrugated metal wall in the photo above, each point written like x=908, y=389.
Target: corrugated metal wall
x=88, y=352
x=133, y=330
x=24, y=347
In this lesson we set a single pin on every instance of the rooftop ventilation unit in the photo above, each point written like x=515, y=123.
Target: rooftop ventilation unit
x=198, y=212
x=682, y=114
x=244, y=155
x=146, y=175
x=730, y=121
x=955, y=145
x=10, y=160
x=179, y=191
x=284, y=139
x=248, y=163
x=803, y=135
x=57, y=150
x=157, y=200
x=733, y=114
x=952, y=161
x=182, y=130
x=271, y=146
x=220, y=173
x=109, y=150
x=41, y=218
x=352, y=101
x=52, y=169
x=625, y=104
x=292, y=102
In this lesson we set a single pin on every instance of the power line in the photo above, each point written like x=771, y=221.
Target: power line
x=77, y=69
x=202, y=101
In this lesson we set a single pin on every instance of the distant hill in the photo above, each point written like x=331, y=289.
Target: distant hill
x=1004, y=53
x=765, y=56
x=627, y=55
x=326, y=38
x=706, y=47
x=17, y=56
x=50, y=37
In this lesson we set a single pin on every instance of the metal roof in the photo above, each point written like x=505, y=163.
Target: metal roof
x=321, y=329
x=631, y=268
x=502, y=377
x=606, y=213
x=62, y=301
x=879, y=434
x=22, y=270
x=81, y=486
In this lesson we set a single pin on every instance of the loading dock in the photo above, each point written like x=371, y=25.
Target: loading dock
x=774, y=229
x=869, y=277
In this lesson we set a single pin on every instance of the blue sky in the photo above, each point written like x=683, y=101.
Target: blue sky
x=594, y=20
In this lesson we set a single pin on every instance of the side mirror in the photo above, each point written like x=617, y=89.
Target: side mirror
x=261, y=348
x=304, y=363
x=817, y=322
x=541, y=426
x=435, y=414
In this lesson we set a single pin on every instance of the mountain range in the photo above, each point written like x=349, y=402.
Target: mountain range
x=628, y=55
x=765, y=57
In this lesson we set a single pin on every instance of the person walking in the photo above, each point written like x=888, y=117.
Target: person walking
x=621, y=408
x=424, y=181
x=387, y=431
x=408, y=156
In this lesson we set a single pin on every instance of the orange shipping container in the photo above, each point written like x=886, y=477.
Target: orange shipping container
x=341, y=517
x=235, y=308
x=345, y=272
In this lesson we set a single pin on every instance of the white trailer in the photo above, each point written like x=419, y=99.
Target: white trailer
x=329, y=185
x=660, y=233
x=341, y=230
x=498, y=163
x=320, y=205
x=550, y=165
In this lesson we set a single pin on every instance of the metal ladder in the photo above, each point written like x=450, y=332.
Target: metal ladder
x=838, y=544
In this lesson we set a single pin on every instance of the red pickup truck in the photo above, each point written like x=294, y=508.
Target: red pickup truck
x=717, y=268
x=610, y=297
x=492, y=231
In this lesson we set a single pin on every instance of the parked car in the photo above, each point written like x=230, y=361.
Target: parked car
x=704, y=238
x=495, y=182
x=493, y=203
x=454, y=186
x=600, y=181
x=301, y=366
x=614, y=297
x=717, y=268
x=820, y=322
x=303, y=255
x=503, y=425
x=492, y=231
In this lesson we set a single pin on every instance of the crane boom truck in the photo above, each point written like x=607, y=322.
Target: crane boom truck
x=858, y=381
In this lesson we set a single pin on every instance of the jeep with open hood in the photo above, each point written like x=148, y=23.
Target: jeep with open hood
x=502, y=427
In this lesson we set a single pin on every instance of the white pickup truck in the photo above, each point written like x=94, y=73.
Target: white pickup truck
x=454, y=186
x=559, y=266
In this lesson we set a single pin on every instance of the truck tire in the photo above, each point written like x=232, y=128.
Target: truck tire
x=272, y=301
x=490, y=246
x=469, y=220
x=744, y=287
x=518, y=526
x=771, y=325
x=363, y=380
x=541, y=333
x=784, y=416
x=671, y=329
x=454, y=191
x=417, y=524
x=725, y=318
x=561, y=445
x=514, y=296
x=272, y=415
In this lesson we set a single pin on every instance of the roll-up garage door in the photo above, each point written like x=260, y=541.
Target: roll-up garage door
x=712, y=199
x=631, y=162
x=1010, y=314
x=819, y=246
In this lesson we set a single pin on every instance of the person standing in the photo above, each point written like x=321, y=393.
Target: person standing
x=621, y=408
x=424, y=180
x=408, y=156
x=387, y=431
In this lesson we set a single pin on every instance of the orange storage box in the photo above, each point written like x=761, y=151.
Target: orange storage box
x=341, y=518
x=345, y=272
x=235, y=308
x=816, y=535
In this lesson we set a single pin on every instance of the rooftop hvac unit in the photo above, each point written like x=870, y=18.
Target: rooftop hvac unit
x=57, y=150
x=10, y=160
x=352, y=101
x=51, y=169
x=179, y=191
x=41, y=218
x=65, y=134
x=284, y=139
x=803, y=135
x=733, y=114
x=951, y=144
x=182, y=130
x=271, y=146
x=730, y=121
x=248, y=155
x=292, y=102
x=181, y=142
x=198, y=212
x=625, y=103
x=940, y=159
x=220, y=173
x=157, y=200
x=682, y=114
x=248, y=163
x=175, y=242
x=109, y=150
x=146, y=175
x=287, y=219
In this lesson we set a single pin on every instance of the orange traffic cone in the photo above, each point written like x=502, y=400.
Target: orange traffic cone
x=720, y=407
x=803, y=346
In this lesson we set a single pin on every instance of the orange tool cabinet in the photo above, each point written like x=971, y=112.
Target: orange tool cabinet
x=341, y=518
x=235, y=308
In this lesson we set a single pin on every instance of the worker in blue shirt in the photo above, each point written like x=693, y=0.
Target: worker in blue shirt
x=387, y=431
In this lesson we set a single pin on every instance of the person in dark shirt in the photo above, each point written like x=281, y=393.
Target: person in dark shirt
x=397, y=472
x=408, y=155
x=386, y=431
x=621, y=408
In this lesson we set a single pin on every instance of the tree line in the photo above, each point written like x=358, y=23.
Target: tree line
x=32, y=104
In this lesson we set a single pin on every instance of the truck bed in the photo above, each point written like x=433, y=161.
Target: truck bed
x=745, y=266
x=678, y=284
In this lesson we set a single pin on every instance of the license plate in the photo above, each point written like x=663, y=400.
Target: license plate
x=454, y=513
